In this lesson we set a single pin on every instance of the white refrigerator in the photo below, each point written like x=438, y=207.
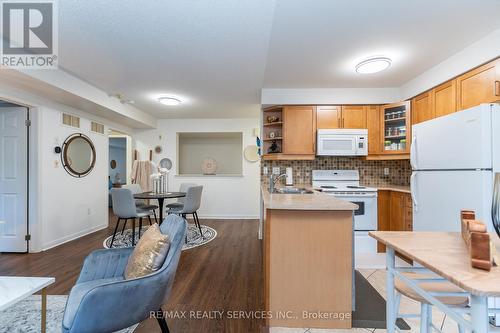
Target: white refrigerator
x=454, y=161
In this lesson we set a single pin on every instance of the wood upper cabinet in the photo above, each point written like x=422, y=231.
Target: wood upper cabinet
x=422, y=108
x=373, y=125
x=328, y=116
x=336, y=116
x=434, y=103
x=299, y=130
x=354, y=116
x=444, y=99
x=480, y=85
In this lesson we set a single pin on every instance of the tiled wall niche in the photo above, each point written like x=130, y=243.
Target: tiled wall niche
x=371, y=172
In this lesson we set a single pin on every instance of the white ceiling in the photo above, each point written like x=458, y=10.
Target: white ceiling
x=317, y=46
x=217, y=55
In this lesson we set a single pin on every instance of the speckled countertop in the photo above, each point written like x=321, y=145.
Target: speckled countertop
x=398, y=188
x=314, y=201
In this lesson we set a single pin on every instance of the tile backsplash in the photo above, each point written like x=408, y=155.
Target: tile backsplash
x=371, y=172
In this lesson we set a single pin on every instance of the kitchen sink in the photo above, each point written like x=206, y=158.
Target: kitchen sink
x=292, y=190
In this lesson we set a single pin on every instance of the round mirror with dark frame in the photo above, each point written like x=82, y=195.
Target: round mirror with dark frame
x=78, y=155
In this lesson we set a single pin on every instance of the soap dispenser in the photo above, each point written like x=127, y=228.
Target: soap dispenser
x=289, y=176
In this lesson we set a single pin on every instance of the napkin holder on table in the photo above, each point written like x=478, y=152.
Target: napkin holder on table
x=477, y=239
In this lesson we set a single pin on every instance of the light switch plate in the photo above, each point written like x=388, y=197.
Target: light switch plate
x=265, y=170
x=276, y=170
x=386, y=171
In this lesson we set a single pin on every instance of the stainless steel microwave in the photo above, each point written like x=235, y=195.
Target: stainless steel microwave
x=342, y=142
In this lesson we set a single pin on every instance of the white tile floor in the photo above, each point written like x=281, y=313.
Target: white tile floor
x=377, y=278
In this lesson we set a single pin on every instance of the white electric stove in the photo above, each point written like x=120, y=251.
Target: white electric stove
x=344, y=184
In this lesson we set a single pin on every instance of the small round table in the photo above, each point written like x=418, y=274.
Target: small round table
x=160, y=197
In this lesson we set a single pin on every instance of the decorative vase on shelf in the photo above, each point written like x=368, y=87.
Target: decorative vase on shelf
x=273, y=148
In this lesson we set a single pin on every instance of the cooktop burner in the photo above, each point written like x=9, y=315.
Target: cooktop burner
x=328, y=186
x=355, y=186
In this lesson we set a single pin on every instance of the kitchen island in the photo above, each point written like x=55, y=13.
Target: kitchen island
x=308, y=260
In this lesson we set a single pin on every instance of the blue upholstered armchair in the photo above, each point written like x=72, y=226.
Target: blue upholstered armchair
x=103, y=301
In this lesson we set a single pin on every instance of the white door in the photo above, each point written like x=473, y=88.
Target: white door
x=438, y=197
x=13, y=179
x=460, y=140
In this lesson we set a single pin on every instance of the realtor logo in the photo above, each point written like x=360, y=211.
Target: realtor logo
x=29, y=34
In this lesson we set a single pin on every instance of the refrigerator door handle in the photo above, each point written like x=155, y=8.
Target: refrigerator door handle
x=413, y=192
x=413, y=153
x=495, y=214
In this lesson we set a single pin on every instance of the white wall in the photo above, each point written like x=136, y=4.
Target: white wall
x=482, y=51
x=69, y=207
x=313, y=96
x=58, y=202
x=223, y=197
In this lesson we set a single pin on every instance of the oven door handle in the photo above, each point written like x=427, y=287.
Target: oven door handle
x=354, y=197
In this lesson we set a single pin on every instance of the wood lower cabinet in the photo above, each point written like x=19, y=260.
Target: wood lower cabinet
x=394, y=212
x=480, y=85
x=328, y=116
x=299, y=130
x=354, y=116
x=383, y=215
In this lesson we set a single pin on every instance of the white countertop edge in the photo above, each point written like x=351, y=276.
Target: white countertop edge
x=48, y=282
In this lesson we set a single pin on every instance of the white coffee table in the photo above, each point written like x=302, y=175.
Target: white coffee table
x=16, y=288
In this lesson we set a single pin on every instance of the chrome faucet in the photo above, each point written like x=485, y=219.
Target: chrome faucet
x=273, y=180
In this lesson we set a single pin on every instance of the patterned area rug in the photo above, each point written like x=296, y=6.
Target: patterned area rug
x=193, y=237
x=24, y=316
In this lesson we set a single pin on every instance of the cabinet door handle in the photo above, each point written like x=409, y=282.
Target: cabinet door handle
x=497, y=88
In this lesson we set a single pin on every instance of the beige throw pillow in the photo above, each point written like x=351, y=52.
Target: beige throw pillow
x=149, y=253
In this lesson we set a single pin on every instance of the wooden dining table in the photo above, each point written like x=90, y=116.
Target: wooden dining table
x=160, y=197
x=445, y=255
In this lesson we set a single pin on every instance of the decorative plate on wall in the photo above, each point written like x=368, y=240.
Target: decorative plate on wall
x=251, y=153
x=166, y=163
x=209, y=166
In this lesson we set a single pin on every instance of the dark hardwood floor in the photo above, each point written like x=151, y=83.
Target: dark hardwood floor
x=224, y=275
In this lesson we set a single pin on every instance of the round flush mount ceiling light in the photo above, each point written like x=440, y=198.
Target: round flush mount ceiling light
x=170, y=101
x=373, y=65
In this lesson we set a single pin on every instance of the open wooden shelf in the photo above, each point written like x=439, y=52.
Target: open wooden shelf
x=273, y=109
x=388, y=155
x=278, y=123
x=395, y=120
x=271, y=139
x=284, y=157
x=396, y=136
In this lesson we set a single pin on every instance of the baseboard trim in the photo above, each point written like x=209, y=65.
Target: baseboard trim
x=71, y=237
x=230, y=217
